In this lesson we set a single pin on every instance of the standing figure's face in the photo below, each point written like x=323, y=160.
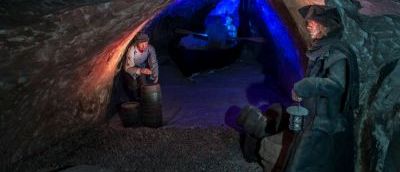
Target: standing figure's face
x=316, y=30
x=142, y=46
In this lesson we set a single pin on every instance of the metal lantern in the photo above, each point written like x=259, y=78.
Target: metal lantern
x=297, y=115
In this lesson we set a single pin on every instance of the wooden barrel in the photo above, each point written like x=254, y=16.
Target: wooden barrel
x=151, y=105
x=129, y=114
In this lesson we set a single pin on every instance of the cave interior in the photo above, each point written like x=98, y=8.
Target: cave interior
x=61, y=87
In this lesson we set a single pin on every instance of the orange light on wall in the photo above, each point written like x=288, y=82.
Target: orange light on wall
x=105, y=64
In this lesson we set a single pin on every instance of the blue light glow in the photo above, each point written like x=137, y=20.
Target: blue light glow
x=225, y=7
x=227, y=12
x=280, y=34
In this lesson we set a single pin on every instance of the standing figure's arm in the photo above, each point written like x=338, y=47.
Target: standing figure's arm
x=330, y=86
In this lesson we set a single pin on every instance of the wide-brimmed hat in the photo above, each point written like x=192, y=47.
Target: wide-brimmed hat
x=326, y=15
x=141, y=37
x=260, y=124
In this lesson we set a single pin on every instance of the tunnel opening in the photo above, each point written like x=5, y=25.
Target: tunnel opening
x=211, y=46
x=185, y=32
x=200, y=90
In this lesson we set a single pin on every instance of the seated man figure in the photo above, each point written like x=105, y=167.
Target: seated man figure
x=141, y=66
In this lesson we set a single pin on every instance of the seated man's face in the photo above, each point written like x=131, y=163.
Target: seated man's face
x=316, y=30
x=142, y=46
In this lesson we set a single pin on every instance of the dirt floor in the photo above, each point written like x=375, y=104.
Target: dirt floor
x=204, y=100
x=146, y=149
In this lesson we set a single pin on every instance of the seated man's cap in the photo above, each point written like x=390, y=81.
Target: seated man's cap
x=141, y=37
x=327, y=16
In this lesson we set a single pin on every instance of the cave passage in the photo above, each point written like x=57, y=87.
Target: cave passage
x=200, y=86
x=59, y=59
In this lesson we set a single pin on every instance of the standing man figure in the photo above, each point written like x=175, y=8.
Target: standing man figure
x=321, y=146
x=141, y=64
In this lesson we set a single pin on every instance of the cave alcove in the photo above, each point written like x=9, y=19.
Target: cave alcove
x=267, y=75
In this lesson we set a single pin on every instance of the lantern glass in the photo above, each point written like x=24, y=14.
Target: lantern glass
x=297, y=115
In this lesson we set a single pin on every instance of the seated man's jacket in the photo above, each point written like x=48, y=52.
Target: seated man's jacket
x=136, y=60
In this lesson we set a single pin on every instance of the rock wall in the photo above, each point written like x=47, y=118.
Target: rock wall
x=374, y=37
x=57, y=70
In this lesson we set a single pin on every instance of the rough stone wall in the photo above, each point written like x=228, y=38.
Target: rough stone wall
x=377, y=8
x=24, y=12
x=56, y=72
x=375, y=38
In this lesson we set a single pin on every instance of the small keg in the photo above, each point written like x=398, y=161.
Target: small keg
x=129, y=114
x=151, y=105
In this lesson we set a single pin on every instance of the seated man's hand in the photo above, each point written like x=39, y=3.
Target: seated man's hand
x=145, y=71
x=295, y=97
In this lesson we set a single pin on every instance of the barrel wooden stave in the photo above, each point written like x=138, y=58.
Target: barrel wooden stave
x=129, y=114
x=151, y=105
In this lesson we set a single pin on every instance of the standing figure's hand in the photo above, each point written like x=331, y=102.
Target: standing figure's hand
x=295, y=97
x=145, y=71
